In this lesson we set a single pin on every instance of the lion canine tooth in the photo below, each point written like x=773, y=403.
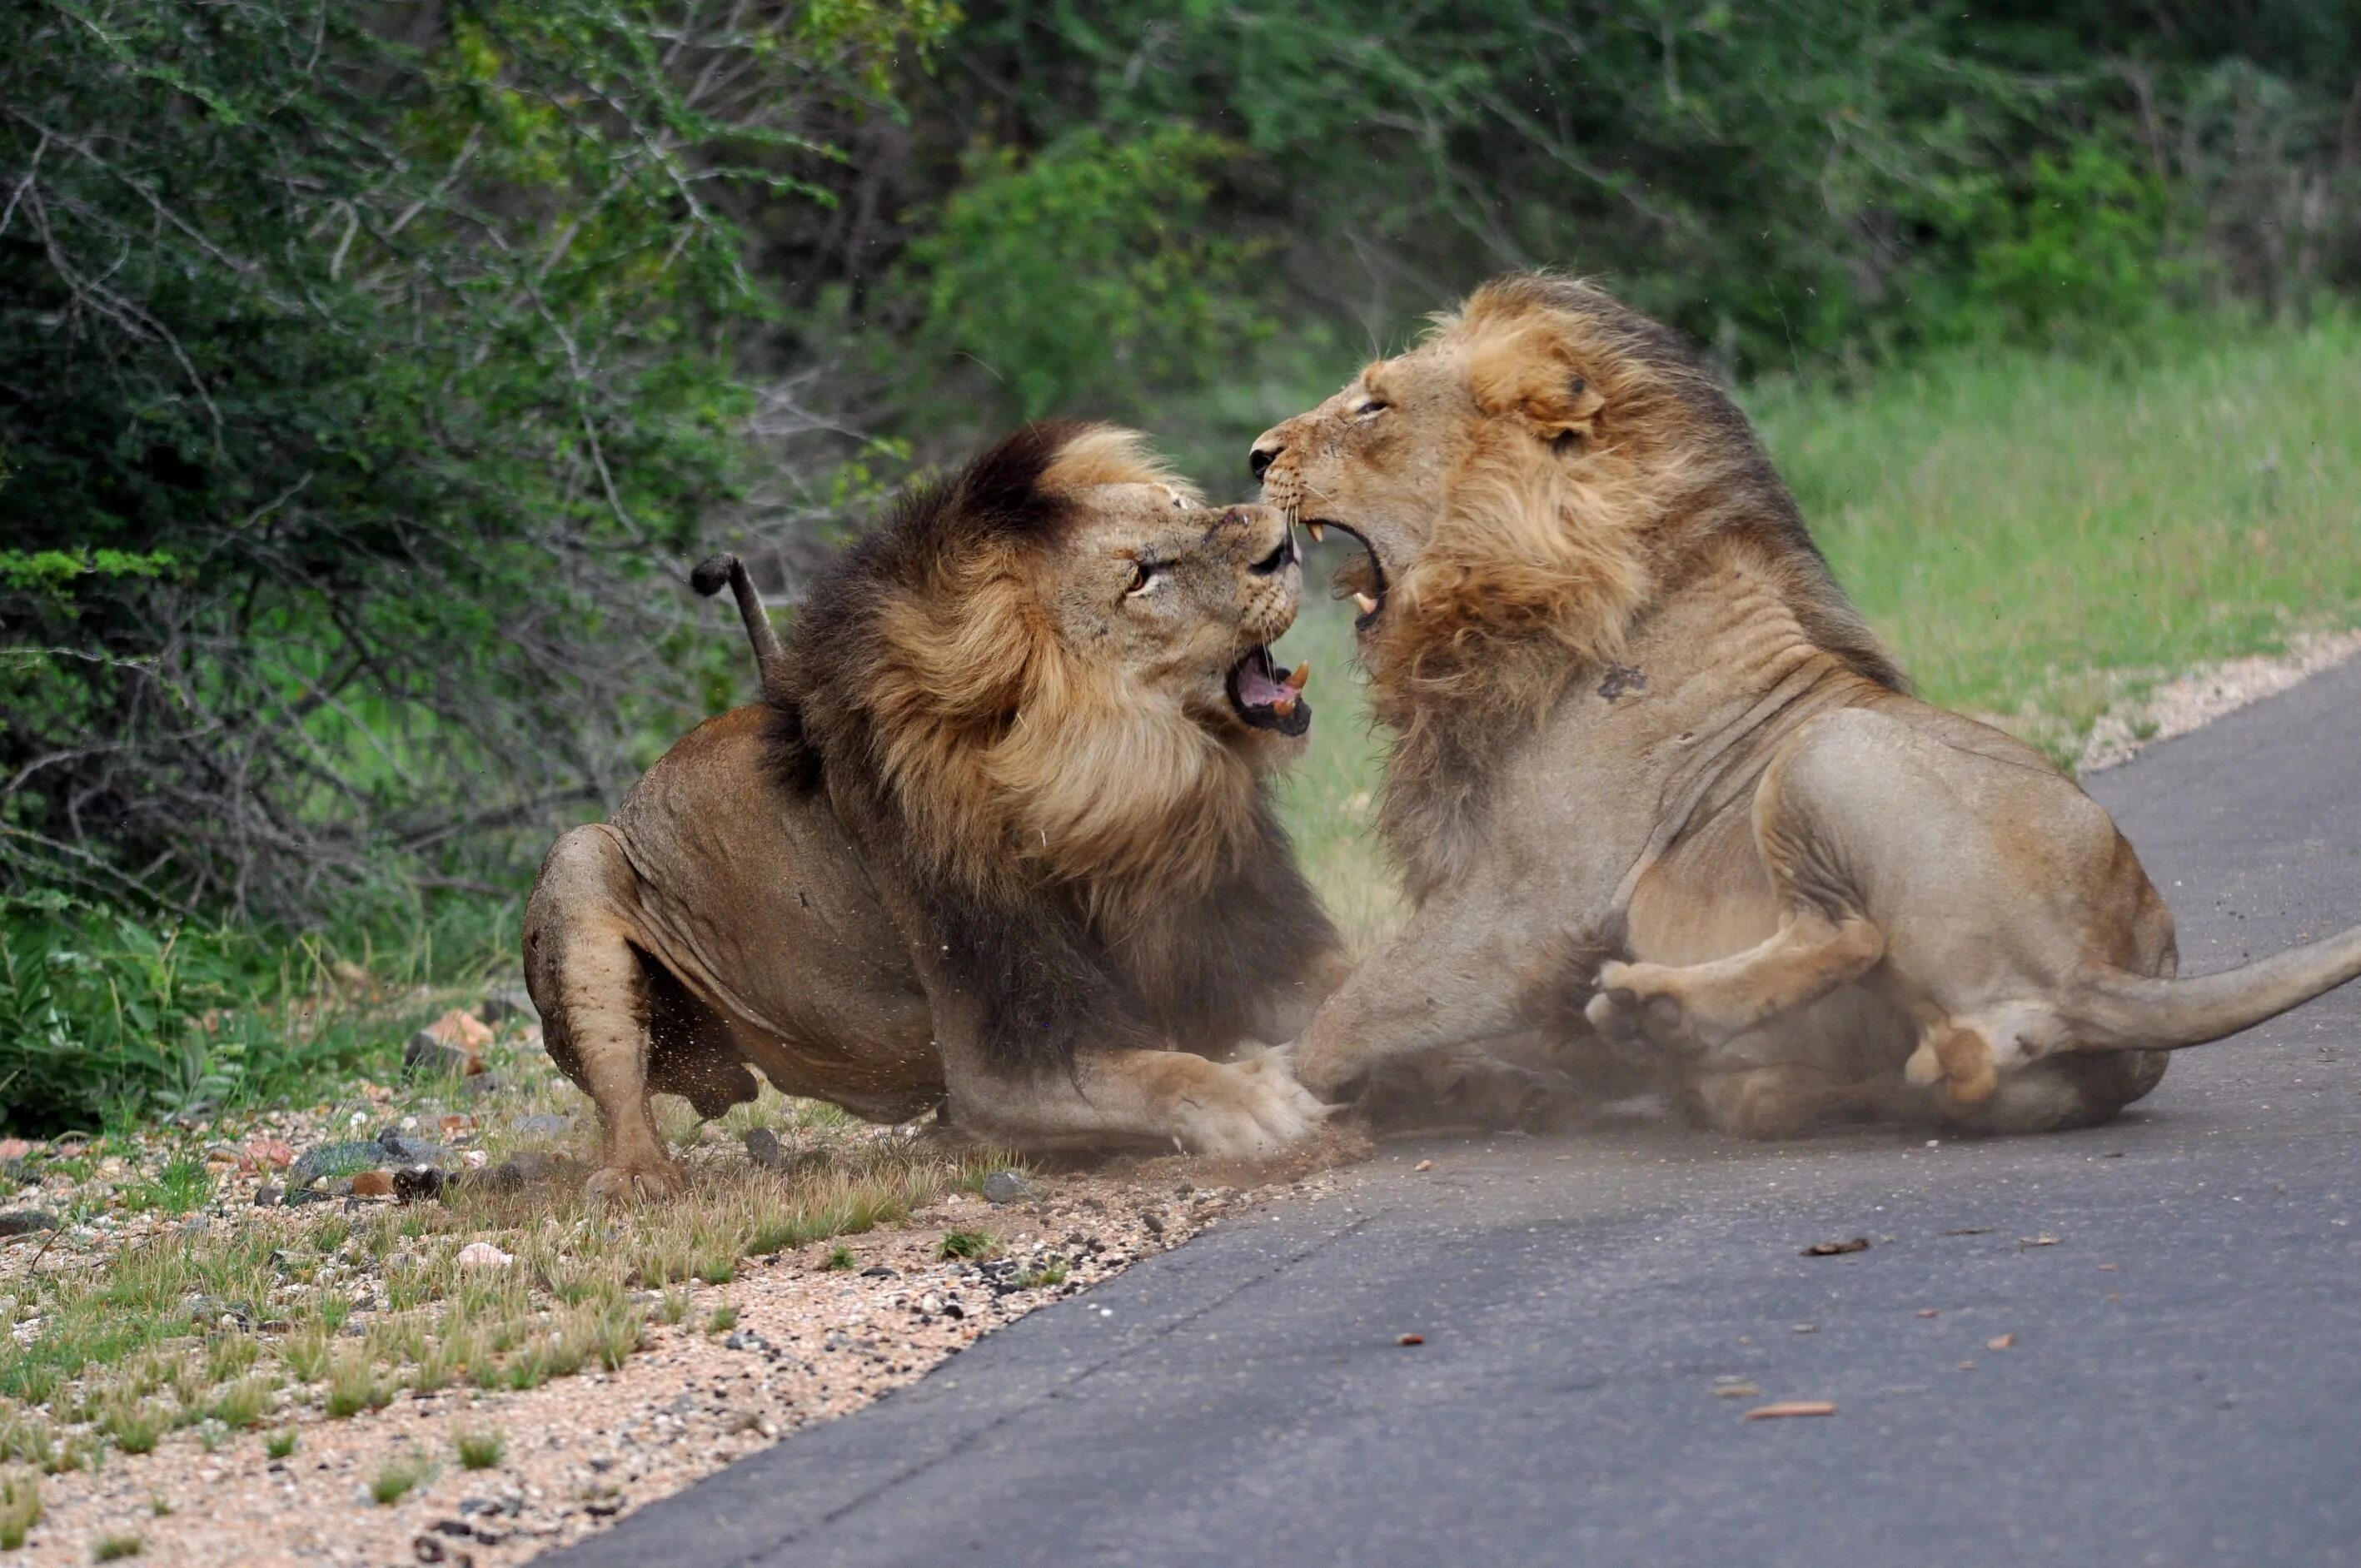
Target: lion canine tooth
x=1316, y=530
x=1284, y=706
x=1297, y=676
x=1368, y=606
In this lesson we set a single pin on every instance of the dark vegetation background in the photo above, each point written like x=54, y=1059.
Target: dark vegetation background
x=371, y=373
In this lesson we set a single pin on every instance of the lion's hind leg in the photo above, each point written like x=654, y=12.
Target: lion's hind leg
x=588, y=980
x=1706, y=1005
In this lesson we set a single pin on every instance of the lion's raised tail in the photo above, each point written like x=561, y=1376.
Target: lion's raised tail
x=2117, y=1010
x=716, y=570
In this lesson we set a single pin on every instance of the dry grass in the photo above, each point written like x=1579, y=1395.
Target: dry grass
x=339, y=1314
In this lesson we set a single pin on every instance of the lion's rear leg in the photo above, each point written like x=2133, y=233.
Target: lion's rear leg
x=1706, y=1005
x=585, y=978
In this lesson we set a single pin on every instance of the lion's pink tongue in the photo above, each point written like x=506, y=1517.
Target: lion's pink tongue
x=1255, y=686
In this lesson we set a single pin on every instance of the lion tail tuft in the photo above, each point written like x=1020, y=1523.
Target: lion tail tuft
x=707, y=580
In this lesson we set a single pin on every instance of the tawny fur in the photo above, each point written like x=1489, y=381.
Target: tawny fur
x=1627, y=695
x=998, y=841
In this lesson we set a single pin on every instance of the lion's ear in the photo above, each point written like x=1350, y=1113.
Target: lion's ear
x=1530, y=372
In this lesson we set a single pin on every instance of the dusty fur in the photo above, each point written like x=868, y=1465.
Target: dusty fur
x=1661, y=789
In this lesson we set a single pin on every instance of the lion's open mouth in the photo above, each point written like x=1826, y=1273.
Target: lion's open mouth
x=1268, y=697
x=1362, y=580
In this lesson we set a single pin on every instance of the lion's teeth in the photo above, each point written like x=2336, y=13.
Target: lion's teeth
x=1367, y=605
x=1317, y=531
x=1284, y=706
x=1297, y=676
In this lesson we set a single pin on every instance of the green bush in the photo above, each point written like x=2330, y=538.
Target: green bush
x=104, y=1018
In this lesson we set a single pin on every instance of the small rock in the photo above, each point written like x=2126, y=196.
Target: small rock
x=763, y=1148
x=411, y=1151
x=333, y=1160
x=434, y=1549
x=302, y=1195
x=1006, y=1186
x=1153, y=1221
x=268, y=1197
x=520, y=1170
x=426, y=1056
x=482, y=1254
x=372, y=1184
x=417, y=1183
x=485, y=1083
x=879, y=1271
x=25, y=1221
x=544, y=1124
x=15, y=1149
x=513, y=1002
x=954, y=1311
x=930, y=1303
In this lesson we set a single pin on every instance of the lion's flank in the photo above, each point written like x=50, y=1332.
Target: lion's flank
x=1093, y=869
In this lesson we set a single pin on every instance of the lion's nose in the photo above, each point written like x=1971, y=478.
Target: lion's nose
x=1263, y=454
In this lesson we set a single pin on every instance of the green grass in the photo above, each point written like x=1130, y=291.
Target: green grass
x=838, y=1257
x=2037, y=536
x=20, y=1507
x=396, y=1476
x=116, y=1548
x=965, y=1243
x=723, y=1319
x=280, y=1443
x=481, y=1449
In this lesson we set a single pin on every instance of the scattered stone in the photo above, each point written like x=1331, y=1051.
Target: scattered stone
x=1837, y=1249
x=482, y=1254
x=546, y=1124
x=1006, y=1186
x=330, y=1161
x=15, y=1149
x=1153, y=1221
x=518, y=1171
x=268, y=1197
x=25, y=1221
x=372, y=1184
x=426, y=1056
x=302, y=1195
x=881, y=1272
x=418, y=1183
x=434, y=1549
x=485, y=1084
x=511, y=1001
x=400, y=1150
x=763, y=1148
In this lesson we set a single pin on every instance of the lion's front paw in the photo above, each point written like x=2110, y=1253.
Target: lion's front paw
x=634, y=1179
x=1637, y=1000
x=1247, y=1109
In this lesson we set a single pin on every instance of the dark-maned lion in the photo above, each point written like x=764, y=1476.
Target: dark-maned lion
x=1653, y=778
x=998, y=840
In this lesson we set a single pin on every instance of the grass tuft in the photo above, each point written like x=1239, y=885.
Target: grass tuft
x=396, y=1476
x=722, y=1319
x=838, y=1257
x=481, y=1449
x=280, y=1443
x=20, y=1507
x=116, y=1548
x=965, y=1243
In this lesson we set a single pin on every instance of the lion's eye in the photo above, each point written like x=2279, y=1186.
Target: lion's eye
x=1143, y=577
x=1370, y=407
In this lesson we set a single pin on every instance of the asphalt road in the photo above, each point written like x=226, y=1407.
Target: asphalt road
x=2183, y=1291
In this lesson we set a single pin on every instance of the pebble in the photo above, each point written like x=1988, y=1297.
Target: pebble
x=763, y=1148
x=417, y=1183
x=1006, y=1186
x=426, y=1056
x=413, y=1151
x=543, y=1124
x=515, y=1001
x=25, y=1221
x=267, y=1196
x=482, y=1254
x=332, y=1160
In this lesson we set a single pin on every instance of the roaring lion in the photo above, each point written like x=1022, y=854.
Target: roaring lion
x=1656, y=782
x=997, y=841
